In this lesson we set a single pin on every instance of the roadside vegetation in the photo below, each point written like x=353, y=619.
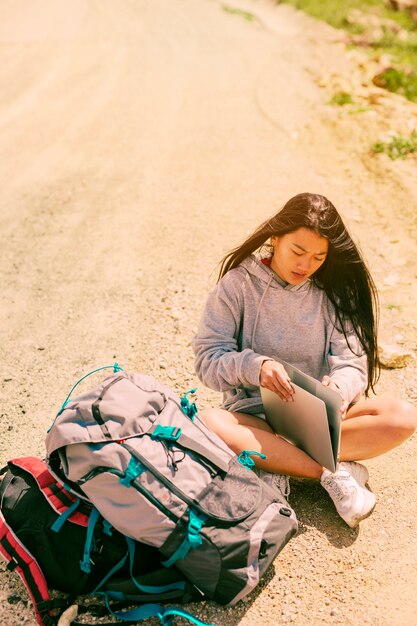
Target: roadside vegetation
x=398, y=146
x=376, y=26
x=246, y=15
x=387, y=31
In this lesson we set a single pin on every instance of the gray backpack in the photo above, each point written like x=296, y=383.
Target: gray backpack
x=152, y=469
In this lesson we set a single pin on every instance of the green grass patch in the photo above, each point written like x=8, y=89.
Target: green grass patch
x=396, y=38
x=398, y=81
x=341, y=98
x=399, y=147
x=336, y=12
x=249, y=17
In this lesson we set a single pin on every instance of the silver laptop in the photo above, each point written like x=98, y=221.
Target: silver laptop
x=312, y=422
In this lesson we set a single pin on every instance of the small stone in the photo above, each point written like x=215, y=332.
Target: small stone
x=393, y=356
x=68, y=616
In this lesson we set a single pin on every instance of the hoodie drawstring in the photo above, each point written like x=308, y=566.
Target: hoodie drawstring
x=258, y=309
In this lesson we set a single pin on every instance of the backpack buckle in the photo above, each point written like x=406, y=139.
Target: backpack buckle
x=167, y=433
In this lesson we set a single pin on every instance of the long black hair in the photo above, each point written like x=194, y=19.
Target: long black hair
x=343, y=276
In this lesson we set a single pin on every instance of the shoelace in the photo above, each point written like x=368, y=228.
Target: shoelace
x=336, y=486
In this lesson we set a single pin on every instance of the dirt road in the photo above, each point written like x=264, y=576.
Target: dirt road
x=139, y=140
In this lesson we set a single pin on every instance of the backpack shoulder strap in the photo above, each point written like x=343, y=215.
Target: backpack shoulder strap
x=58, y=497
x=21, y=560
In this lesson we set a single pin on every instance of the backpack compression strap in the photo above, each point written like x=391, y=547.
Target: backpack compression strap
x=21, y=560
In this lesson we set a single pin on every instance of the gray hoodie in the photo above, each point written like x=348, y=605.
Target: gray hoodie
x=252, y=315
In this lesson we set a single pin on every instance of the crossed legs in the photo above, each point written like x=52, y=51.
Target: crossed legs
x=371, y=427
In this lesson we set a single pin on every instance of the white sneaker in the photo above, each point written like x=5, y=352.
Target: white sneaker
x=282, y=483
x=353, y=501
x=359, y=472
x=279, y=481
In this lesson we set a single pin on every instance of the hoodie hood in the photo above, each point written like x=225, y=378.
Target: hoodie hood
x=255, y=265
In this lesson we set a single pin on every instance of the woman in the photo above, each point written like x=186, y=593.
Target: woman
x=311, y=302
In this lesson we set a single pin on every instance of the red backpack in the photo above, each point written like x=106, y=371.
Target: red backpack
x=54, y=541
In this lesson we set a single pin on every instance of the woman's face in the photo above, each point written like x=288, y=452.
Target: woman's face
x=298, y=255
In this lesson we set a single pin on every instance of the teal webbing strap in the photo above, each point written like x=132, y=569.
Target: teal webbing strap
x=165, y=615
x=85, y=564
x=192, y=539
x=60, y=521
x=133, y=470
x=187, y=407
x=118, y=566
x=180, y=584
x=245, y=458
x=132, y=615
x=107, y=528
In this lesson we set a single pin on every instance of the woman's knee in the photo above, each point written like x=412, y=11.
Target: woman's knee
x=223, y=424
x=211, y=419
x=401, y=416
x=408, y=416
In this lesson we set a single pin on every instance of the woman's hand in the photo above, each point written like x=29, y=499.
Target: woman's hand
x=327, y=382
x=274, y=377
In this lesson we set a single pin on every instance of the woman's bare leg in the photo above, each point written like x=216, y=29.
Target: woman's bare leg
x=375, y=426
x=246, y=432
x=371, y=427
